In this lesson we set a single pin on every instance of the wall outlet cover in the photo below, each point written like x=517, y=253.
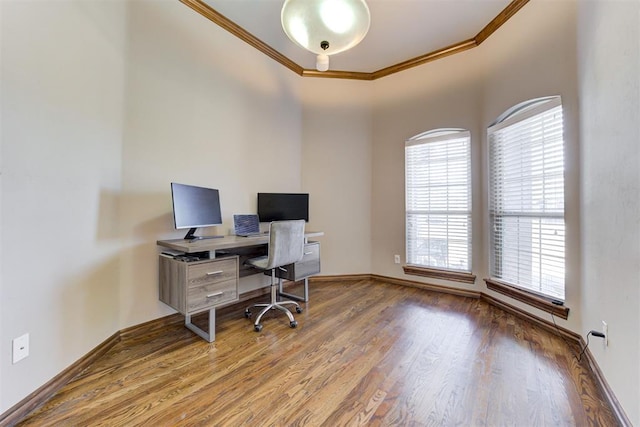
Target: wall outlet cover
x=20, y=348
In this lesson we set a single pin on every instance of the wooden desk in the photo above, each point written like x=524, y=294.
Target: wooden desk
x=194, y=286
x=220, y=243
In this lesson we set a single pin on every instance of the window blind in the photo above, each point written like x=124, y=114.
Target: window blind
x=526, y=199
x=438, y=200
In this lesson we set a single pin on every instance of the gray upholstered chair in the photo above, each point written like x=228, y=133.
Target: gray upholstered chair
x=286, y=246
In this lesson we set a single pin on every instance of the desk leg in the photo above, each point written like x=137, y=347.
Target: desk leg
x=211, y=336
x=304, y=297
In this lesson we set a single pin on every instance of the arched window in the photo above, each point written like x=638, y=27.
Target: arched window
x=526, y=197
x=438, y=199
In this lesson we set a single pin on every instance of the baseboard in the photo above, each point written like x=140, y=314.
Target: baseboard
x=426, y=286
x=154, y=326
x=34, y=400
x=542, y=323
x=396, y=281
x=600, y=380
x=602, y=383
x=23, y=408
x=343, y=278
x=596, y=372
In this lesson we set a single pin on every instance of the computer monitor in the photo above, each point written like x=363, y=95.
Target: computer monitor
x=283, y=206
x=195, y=207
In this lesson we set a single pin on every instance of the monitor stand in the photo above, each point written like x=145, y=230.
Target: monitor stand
x=191, y=236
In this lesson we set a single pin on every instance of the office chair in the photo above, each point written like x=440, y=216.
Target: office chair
x=286, y=246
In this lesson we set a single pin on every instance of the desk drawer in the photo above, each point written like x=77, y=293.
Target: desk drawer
x=213, y=271
x=206, y=296
x=190, y=287
x=307, y=266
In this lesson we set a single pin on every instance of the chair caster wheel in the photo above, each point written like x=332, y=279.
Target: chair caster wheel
x=293, y=324
x=247, y=313
x=257, y=328
x=298, y=310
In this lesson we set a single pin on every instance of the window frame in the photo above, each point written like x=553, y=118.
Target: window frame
x=437, y=271
x=514, y=116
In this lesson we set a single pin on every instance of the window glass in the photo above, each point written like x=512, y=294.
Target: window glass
x=438, y=199
x=526, y=198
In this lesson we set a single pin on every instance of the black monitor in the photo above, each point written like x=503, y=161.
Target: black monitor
x=283, y=206
x=195, y=207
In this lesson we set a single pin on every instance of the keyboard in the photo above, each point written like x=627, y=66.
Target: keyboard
x=264, y=233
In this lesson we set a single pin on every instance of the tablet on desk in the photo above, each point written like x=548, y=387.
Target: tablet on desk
x=246, y=225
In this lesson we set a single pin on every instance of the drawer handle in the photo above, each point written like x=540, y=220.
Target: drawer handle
x=308, y=253
x=217, y=294
x=213, y=273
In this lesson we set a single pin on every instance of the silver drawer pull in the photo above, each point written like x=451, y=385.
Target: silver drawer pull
x=213, y=273
x=217, y=294
x=308, y=253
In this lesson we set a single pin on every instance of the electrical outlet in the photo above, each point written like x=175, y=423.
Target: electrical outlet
x=20, y=348
x=396, y=259
x=605, y=331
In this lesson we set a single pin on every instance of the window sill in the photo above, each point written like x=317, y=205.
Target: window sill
x=436, y=273
x=529, y=298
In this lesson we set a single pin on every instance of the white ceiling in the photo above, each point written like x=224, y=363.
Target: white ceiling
x=400, y=29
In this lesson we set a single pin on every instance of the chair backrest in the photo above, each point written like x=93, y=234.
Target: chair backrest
x=286, y=243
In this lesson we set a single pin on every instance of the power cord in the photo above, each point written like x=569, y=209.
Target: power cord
x=595, y=334
x=561, y=335
x=592, y=332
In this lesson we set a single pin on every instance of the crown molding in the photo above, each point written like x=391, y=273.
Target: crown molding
x=217, y=18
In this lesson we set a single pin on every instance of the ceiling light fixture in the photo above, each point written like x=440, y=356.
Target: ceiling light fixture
x=325, y=27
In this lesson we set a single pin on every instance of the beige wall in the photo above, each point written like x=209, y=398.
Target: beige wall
x=609, y=78
x=522, y=62
x=336, y=156
x=202, y=108
x=443, y=94
x=103, y=105
x=517, y=63
x=470, y=90
x=62, y=122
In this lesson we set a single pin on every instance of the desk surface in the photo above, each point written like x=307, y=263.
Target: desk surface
x=226, y=242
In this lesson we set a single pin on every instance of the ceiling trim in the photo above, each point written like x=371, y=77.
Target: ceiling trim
x=224, y=22
x=217, y=18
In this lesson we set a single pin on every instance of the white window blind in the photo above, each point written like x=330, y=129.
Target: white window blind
x=438, y=200
x=526, y=199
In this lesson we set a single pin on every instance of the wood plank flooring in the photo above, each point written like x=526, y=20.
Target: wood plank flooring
x=364, y=353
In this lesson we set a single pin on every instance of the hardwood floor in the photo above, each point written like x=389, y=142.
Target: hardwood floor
x=364, y=353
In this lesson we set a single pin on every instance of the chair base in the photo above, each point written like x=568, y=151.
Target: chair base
x=274, y=304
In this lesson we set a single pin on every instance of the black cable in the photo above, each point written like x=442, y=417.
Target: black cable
x=579, y=357
x=561, y=335
x=585, y=347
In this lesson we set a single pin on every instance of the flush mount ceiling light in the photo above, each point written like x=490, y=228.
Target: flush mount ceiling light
x=325, y=27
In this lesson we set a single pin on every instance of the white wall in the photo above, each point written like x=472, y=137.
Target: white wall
x=103, y=105
x=609, y=79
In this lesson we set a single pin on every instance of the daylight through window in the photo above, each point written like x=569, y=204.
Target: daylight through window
x=438, y=199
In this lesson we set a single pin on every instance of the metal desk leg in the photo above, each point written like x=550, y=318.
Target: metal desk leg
x=305, y=295
x=211, y=336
